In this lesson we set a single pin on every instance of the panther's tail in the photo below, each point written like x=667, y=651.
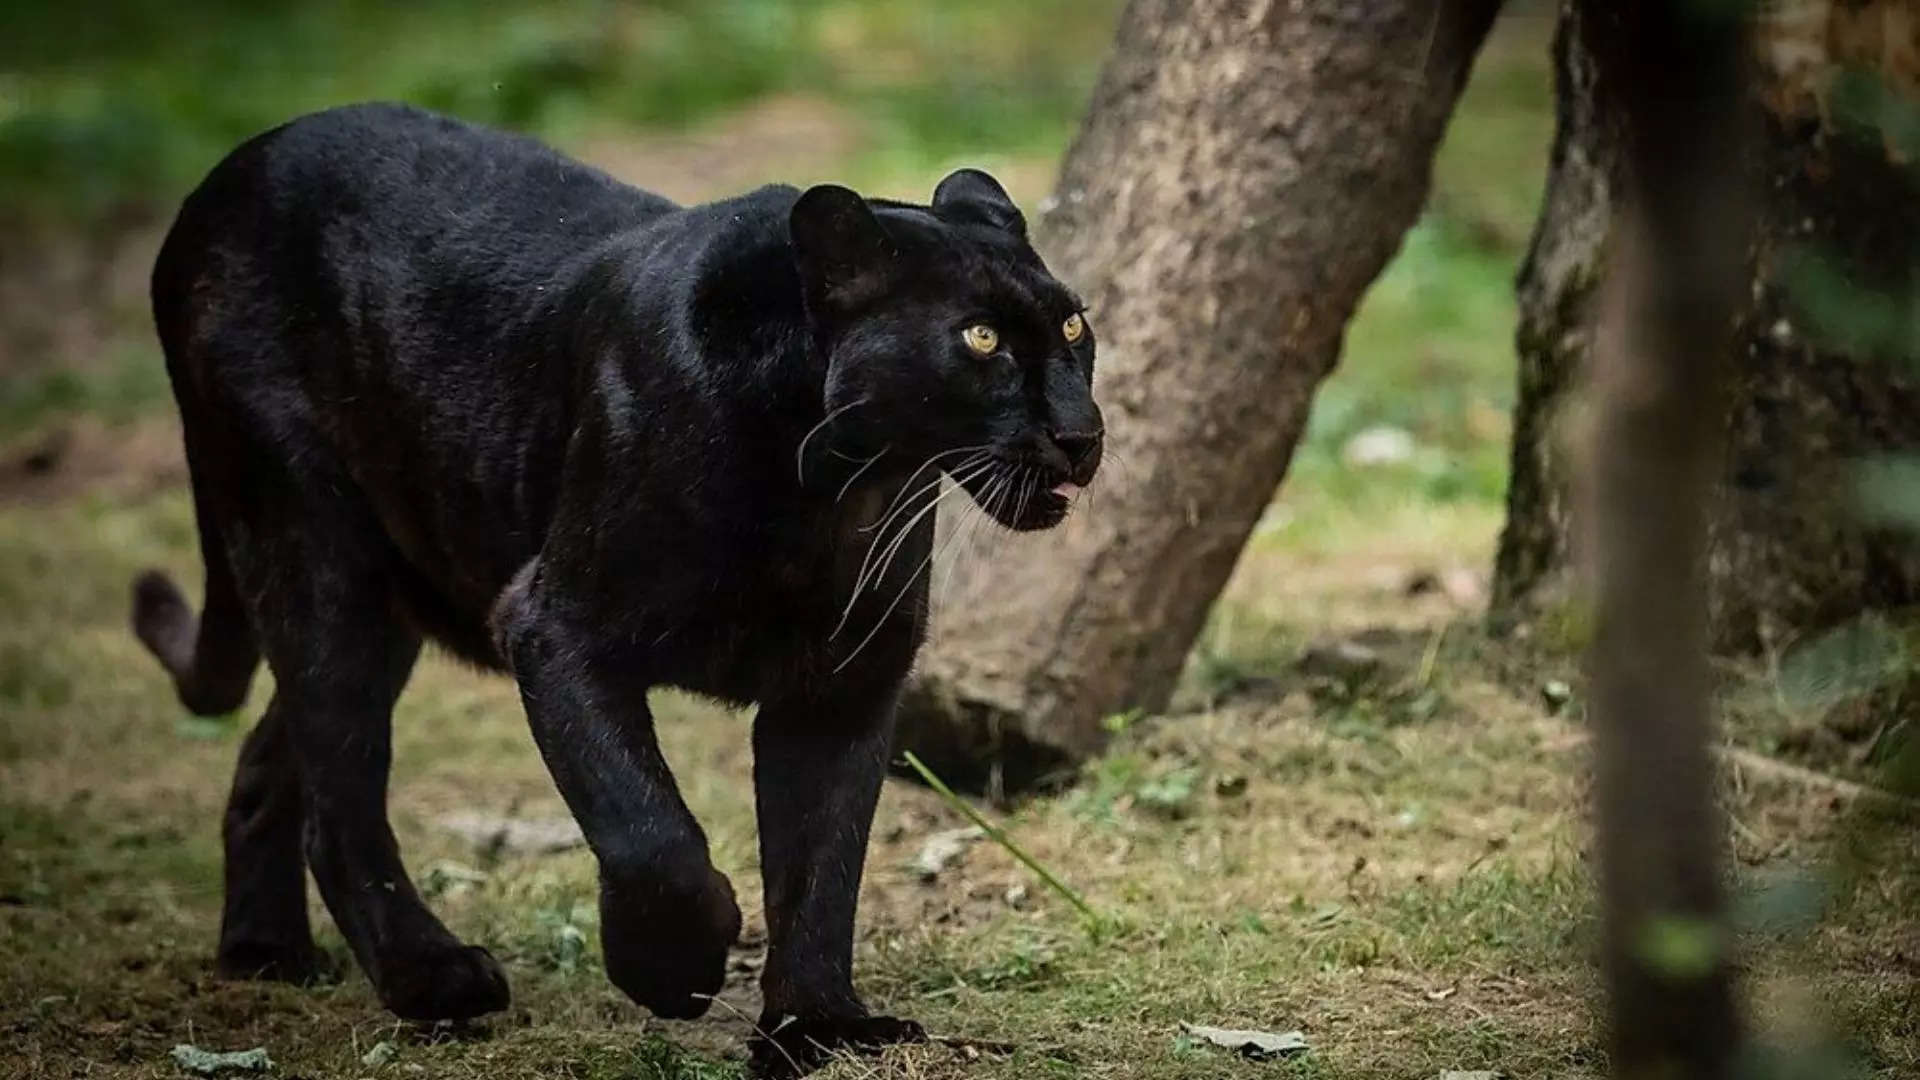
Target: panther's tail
x=211, y=658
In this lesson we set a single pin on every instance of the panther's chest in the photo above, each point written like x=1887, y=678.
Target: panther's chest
x=787, y=620
x=743, y=622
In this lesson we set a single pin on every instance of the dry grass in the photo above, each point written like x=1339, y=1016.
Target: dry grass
x=1396, y=869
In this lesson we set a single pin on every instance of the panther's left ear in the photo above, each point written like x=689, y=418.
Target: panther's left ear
x=844, y=254
x=971, y=195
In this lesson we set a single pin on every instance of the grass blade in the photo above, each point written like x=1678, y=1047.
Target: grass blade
x=1000, y=837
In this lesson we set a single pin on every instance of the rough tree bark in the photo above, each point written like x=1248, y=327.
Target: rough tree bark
x=1671, y=79
x=1789, y=553
x=1244, y=170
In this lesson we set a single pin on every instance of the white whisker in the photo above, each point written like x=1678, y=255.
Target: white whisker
x=915, y=577
x=857, y=473
x=900, y=503
x=800, y=453
x=975, y=523
x=1029, y=481
x=887, y=614
x=900, y=535
x=893, y=507
x=953, y=537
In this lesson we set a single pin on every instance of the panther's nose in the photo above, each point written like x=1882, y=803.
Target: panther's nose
x=1078, y=445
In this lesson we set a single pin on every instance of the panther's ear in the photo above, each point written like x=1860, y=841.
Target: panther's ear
x=971, y=195
x=844, y=253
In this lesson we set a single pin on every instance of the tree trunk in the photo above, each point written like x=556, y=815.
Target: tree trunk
x=1243, y=172
x=1812, y=392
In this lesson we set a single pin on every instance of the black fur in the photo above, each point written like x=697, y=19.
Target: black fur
x=440, y=382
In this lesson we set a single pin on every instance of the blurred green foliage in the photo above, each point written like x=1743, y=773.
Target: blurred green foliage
x=1854, y=317
x=1430, y=351
x=131, y=104
x=1864, y=104
x=1845, y=663
x=133, y=100
x=1889, y=490
x=1681, y=947
x=121, y=385
x=1855, y=307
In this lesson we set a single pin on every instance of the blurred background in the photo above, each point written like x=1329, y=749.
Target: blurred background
x=107, y=121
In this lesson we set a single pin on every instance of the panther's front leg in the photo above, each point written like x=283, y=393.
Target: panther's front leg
x=819, y=760
x=667, y=917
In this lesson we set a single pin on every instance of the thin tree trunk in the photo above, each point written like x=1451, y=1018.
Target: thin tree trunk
x=1243, y=172
x=1789, y=553
x=1673, y=76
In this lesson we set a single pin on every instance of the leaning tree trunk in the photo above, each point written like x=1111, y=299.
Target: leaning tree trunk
x=1812, y=392
x=1244, y=171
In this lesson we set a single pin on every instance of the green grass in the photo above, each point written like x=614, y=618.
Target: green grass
x=142, y=102
x=126, y=115
x=1409, y=891
x=103, y=128
x=130, y=383
x=1431, y=349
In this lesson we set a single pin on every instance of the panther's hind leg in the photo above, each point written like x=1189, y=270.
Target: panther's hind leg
x=316, y=572
x=263, y=925
x=264, y=931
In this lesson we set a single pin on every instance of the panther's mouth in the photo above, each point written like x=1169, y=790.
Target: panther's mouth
x=1023, y=496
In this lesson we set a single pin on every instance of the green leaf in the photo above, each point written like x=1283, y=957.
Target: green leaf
x=1789, y=902
x=1863, y=100
x=1169, y=795
x=1847, y=662
x=1850, y=316
x=206, y=728
x=1888, y=491
x=1680, y=946
x=211, y=1062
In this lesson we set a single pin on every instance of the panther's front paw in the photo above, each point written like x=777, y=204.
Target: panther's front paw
x=788, y=1046
x=666, y=941
x=443, y=982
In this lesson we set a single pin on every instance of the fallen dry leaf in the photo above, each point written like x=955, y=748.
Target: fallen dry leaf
x=1258, y=1045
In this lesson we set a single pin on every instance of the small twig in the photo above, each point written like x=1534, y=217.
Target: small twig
x=1000, y=837
x=979, y=1045
x=1781, y=770
x=1430, y=657
x=974, y=1046
x=716, y=999
x=1746, y=831
x=1776, y=769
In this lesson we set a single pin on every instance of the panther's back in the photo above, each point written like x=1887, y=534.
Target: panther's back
x=359, y=291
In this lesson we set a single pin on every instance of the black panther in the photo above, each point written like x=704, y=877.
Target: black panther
x=440, y=382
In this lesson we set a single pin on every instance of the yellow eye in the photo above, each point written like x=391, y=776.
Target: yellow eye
x=1075, y=328
x=981, y=338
